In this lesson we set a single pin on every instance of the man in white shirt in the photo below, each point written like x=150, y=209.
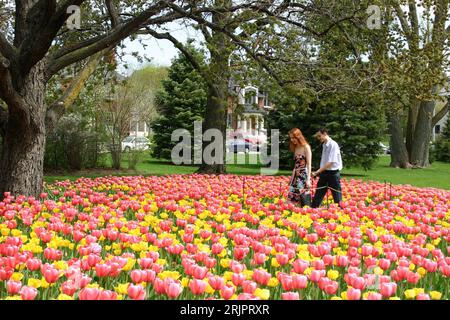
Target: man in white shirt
x=329, y=172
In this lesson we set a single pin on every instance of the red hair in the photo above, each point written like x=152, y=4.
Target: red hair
x=298, y=136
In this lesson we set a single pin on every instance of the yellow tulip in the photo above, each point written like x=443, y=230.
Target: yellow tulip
x=410, y=294
x=35, y=283
x=333, y=274
x=263, y=294
x=435, y=295
x=122, y=288
x=17, y=276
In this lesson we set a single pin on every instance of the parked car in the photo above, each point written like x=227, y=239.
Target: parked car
x=240, y=145
x=135, y=143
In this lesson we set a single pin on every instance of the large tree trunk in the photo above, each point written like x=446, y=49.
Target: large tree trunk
x=219, y=73
x=215, y=118
x=411, y=124
x=22, y=158
x=399, y=153
x=422, y=135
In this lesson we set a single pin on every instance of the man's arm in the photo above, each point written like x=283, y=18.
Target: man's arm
x=327, y=166
x=330, y=160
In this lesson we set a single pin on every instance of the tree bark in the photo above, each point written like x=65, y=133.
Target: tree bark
x=220, y=48
x=419, y=156
x=399, y=153
x=215, y=118
x=411, y=124
x=22, y=157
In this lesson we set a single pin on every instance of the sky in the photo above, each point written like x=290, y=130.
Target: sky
x=161, y=52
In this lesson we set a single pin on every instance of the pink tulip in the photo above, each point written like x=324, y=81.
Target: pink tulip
x=331, y=287
x=353, y=294
x=13, y=287
x=238, y=278
x=384, y=264
x=199, y=272
x=173, y=290
x=300, y=266
x=249, y=286
x=216, y=282
x=315, y=275
x=423, y=296
x=262, y=277
x=227, y=292
x=290, y=296
x=136, y=292
x=51, y=275
x=299, y=282
x=197, y=286
x=374, y=296
x=28, y=293
x=138, y=276
x=69, y=288
x=33, y=264
x=102, y=270
x=388, y=289
x=107, y=295
x=89, y=294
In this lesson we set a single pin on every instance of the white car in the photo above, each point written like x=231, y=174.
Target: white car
x=385, y=149
x=135, y=143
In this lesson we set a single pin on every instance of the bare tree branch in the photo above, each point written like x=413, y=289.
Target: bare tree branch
x=180, y=47
x=112, y=11
x=441, y=114
x=6, y=49
x=110, y=40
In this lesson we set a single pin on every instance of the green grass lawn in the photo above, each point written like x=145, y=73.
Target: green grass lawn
x=438, y=175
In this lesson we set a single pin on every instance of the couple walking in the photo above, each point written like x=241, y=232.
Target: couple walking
x=329, y=172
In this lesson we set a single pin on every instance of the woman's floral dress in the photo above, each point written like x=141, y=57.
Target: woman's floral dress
x=298, y=190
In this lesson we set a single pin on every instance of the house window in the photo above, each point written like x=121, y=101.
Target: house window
x=141, y=126
x=437, y=129
x=250, y=97
x=266, y=99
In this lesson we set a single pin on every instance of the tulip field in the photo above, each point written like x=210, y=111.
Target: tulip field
x=222, y=237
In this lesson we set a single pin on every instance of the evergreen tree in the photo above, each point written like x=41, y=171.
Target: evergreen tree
x=354, y=121
x=180, y=103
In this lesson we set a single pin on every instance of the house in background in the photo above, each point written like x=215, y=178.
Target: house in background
x=138, y=126
x=439, y=127
x=247, y=107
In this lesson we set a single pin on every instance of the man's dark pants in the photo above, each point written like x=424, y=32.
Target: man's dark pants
x=332, y=179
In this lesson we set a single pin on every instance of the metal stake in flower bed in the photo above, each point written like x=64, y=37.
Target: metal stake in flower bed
x=328, y=197
x=390, y=191
x=243, y=193
x=281, y=191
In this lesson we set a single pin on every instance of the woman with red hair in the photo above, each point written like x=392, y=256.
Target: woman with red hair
x=300, y=184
